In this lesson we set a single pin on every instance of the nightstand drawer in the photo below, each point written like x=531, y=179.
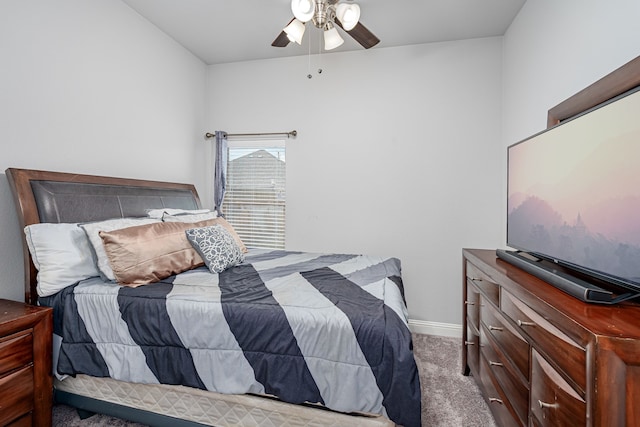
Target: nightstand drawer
x=553, y=401
x=25, y=421
x=16, y=395
x=25, y=362
x=15, y=351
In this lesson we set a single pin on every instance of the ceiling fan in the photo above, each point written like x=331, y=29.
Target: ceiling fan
x=326, y=15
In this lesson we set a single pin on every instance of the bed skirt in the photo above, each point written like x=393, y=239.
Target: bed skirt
x=209, y=408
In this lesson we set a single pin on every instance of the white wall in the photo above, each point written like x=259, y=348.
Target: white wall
x=92, y=87
x=398, y=154
x=554, y=49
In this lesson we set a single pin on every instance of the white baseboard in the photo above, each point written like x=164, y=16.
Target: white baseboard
x=435, y=328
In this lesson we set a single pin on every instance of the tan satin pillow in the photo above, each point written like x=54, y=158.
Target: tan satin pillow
x=149, y=253
x=223, y=222
x=218, y=220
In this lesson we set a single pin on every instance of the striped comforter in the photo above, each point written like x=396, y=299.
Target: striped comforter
x=320, y=328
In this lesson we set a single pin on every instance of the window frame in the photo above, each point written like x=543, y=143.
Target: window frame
x=243, y=230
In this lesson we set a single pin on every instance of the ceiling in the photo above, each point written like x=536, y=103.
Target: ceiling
x=221, y=31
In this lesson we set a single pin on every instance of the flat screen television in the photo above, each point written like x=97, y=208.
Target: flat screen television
x=574, y=203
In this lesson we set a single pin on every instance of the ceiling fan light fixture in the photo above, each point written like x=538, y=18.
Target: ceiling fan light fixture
x=348, y=14
x=303, y=10
x=331, y=38
x=324, y=15
x=295, y=31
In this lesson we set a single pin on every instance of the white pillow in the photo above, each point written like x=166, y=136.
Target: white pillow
x=158, y=213
x=62, y=255
x=185, y=217
x=93, y=228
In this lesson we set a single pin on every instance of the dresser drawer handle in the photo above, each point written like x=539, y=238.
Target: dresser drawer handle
x=521, y=323
x=547, y=405
x=495, y=328
x=475, y=279
x=495, y=400
x=469, y=343
x=469, y=303
x=492, y=363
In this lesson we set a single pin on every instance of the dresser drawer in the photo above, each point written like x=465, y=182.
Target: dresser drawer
x=506, y=376
x=567, y=354
x=16, y=394
x=15, y=351
x=507, y=337
x=472, y=304
x=484, y=283
x=472, y=346
x=553, y=401
x=495, y=397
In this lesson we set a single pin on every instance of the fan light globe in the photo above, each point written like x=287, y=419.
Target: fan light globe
x=303, y=10
x=332, y=39
x=348, y=14
x=295, y=31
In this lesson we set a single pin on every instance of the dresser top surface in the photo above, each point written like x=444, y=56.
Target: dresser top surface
x=614, y=321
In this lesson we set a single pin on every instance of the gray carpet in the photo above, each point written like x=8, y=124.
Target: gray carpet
x=448, y=398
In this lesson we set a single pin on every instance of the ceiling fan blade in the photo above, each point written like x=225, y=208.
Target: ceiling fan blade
x=282, y=40
x=362, y=35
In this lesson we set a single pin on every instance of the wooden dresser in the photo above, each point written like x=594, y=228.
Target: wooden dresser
x=25, y=365
x=544, y=358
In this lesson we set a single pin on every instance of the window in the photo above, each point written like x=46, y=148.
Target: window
x=254, y=202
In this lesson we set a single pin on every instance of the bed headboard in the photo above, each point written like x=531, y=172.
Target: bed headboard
x=43, y=196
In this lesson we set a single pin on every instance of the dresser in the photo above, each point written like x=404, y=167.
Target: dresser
x=25, y=365
x=542, y=357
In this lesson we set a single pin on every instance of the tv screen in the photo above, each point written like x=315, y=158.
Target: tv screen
x=574, y=193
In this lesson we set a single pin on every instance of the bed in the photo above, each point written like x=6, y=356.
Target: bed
x=272, y=338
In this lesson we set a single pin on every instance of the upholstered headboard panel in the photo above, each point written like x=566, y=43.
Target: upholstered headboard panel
x=43, y=196
x=81, y=202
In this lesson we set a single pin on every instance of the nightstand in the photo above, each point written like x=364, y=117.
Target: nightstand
x=26, y=388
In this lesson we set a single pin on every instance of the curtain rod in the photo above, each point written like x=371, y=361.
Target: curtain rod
x=291, y=134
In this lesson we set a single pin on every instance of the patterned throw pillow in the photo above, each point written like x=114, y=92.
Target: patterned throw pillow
x=216, y=246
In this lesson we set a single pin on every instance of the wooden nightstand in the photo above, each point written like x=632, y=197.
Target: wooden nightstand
x=26, y=389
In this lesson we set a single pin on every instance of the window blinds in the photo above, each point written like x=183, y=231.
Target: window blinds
x=255, y=198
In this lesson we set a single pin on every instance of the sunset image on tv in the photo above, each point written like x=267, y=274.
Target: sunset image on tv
x=574, y=191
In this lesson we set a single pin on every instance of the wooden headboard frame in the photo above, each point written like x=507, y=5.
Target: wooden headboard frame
x=613, y=84
x=57, y=197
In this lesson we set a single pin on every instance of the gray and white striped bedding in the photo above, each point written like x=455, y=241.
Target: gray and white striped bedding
x=320, y=328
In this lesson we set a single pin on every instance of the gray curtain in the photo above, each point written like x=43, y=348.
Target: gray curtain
x=220, y=173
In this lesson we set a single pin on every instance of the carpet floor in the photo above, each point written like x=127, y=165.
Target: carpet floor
x=448, y=397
